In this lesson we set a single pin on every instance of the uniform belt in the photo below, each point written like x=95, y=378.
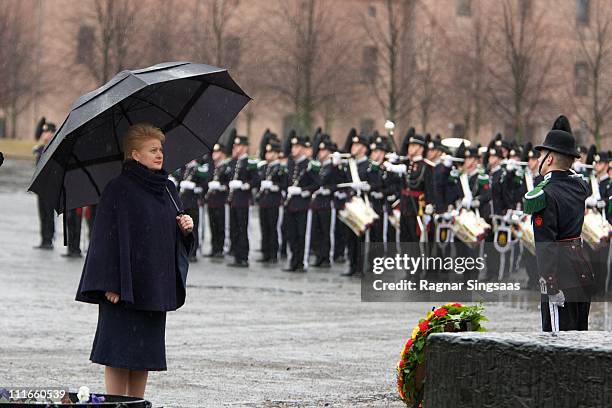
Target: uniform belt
x=570, y=242
x=412, y=193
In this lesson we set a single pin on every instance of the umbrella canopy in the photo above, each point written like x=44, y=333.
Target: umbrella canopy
x=191, y=103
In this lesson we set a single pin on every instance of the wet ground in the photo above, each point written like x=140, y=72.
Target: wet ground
x=245, y=338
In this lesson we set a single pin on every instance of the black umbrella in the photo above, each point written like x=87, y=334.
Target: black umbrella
x=191, y=103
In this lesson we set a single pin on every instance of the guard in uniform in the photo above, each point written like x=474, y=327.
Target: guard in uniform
x=369, y=176
x=193, y=182
x=216, y=197
x=244, y=178
x=557, y=208
x=273, y=176
x=303, y=181
x=321, y=205
x=46, y=213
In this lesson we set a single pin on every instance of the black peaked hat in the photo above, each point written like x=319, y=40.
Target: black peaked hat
x=590, y=158
x=560, y=139
x=39, y=128
x=460, y=152
x=273, y=146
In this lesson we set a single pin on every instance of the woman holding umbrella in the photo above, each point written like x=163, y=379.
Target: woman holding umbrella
x=133, y=269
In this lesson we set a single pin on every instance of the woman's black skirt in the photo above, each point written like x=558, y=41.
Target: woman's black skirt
x=132, y=339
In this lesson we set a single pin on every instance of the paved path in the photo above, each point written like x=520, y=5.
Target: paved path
x=247, y=338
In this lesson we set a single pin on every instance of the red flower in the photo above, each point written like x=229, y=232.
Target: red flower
x=408, y=345
x=456, y=305
x=440, y=312
x=424, y=325
x=401, y=364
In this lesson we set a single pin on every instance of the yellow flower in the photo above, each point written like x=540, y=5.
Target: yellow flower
x=429, y=315
x=415, y=331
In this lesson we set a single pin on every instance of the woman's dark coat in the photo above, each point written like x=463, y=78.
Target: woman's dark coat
x=137, y=249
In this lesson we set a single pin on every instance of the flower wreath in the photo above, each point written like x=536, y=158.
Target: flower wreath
x=452, y=317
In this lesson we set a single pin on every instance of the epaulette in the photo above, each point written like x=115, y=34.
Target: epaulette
x=483, y=179
x=202, y=170
x=429, y=163
x=252, y=164
x=314, y=165
x=535, y=200
x=261, y=163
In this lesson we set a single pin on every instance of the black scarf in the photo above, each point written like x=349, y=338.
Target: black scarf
x=153, y=180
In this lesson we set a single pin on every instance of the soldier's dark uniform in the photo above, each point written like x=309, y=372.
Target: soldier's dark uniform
x=369, y=172
x=216, y=198
x=557, y=208
x=321, y=205
x=244, y=170
x=192, y=185
x=45, y=208
x=270, y=200
x=301, y=174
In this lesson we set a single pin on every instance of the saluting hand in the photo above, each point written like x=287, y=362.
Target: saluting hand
x=185, y=223
x=112, y=297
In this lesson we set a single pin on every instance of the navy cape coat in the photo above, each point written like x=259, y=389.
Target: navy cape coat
x=137, y=249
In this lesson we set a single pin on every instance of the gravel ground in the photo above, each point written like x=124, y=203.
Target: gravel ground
x=245, y=338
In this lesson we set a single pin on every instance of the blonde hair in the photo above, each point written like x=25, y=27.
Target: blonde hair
x=137, y=134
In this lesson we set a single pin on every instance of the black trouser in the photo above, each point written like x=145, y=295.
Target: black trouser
x=194, y=213
x=296, y=237
x=73, y=229
x=268, y=220
x=341, y=233
x=284, y=237
x=408, y=228
x=216, y=220
x=492, y=257
x=572, y=316
x=320, y=238
x=47, y=221
x=91, y=219
x=239, y=223
x=355, y=245
x=599, y=262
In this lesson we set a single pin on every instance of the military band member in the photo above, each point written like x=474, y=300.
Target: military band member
x=386, y=184
x=557, y=208
x=597, y=203
x=273, y=176
x=369, y=179
x=244, y=178
x=329, y=176
x=192, y=182
x=303, y=181
x=46, y=212
x=216, y=198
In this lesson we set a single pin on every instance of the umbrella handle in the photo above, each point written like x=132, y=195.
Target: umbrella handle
x=179, y=212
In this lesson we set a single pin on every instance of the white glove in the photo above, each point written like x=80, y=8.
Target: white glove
x=336, y=158
x=214, y=185
x=591, y=202
x=429, y=209
x=392, y=157
x=557, y=299
x=466, y=202
x=447, y=161
x=198, y=190
x=365, y=186
x=294, y=190
x=601, y=204
x=475, y=203
x=235, y=185
x=510, y=165
x=266, y=184
x=305, y=194
x=395, y=168
x=427, y=219
x=245, y=186
x=274, y=188
x=187, y=185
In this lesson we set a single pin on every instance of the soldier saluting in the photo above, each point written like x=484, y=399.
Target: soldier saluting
x=557, y=208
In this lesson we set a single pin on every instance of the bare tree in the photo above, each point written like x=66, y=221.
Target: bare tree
x=392, y=35
x=522, y=73
x=467, y=94
x=18, y=81
x=107, y=38
x=307, y=60
x=591, y=94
